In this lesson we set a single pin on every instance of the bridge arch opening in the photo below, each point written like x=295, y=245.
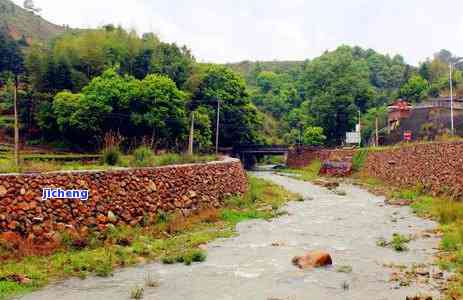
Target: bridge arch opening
x=250, y=154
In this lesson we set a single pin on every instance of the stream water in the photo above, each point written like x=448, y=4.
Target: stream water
x=248, y=266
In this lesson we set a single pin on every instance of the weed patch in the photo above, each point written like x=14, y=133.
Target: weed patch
x=398, y=242
x=308, y=173
x=358, y=159
x=447, y=212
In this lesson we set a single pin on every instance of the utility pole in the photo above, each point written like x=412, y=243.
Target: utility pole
x=452, y=130
x=300, y=135
x=376, y=133
x=360, y=129
x=192, y=130
x=217, y=128
x=16, y=123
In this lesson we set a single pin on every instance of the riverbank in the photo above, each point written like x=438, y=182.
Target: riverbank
x=256, y=263
x=447, y=212
x=170, y=238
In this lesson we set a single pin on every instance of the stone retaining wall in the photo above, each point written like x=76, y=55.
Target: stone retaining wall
x=126, y=196
x=438, y=167
x=300, y=157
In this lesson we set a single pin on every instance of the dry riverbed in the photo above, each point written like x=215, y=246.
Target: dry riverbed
x=256, y=264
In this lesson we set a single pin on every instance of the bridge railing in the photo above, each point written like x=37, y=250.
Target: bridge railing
x=243, y=148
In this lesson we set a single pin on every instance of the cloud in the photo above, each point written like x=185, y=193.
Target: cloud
x=233, y=30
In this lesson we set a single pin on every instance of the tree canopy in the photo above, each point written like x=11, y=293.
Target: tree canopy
x=86, y=83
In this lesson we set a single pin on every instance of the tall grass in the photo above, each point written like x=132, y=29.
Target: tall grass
x=174, y=158
x=358, y=159
x=142, y=157
x=111, y=156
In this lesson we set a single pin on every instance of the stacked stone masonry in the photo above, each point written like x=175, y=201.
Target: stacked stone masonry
x=125, y=196
x=436, y=167
x=300, y=157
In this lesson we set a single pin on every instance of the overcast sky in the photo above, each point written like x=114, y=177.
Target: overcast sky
x=235, y=30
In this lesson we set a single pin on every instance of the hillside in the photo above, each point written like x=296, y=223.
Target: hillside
x=249, y=69
x=19, y=23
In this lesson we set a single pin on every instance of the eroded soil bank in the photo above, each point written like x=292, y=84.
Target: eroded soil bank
x=256, y=264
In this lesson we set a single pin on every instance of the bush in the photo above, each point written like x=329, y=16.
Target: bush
x=174, y=159
x=111, y=156
x=399, y=242
x=195, y=255
x=359, y=159
x=143, y=157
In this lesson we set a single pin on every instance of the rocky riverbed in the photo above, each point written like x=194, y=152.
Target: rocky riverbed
x=256, y=264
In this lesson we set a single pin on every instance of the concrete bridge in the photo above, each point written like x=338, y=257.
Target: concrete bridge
x=248, y=154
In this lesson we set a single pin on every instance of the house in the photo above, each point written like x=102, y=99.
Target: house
x=398, y=110
x=423, y=121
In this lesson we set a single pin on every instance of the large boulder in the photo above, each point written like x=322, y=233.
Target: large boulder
x=336, y=168
x=313, y=259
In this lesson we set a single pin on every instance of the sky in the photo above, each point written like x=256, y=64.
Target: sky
x=235, y=30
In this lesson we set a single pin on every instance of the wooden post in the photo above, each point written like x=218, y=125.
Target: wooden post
x=192, y=131
x=16, y=122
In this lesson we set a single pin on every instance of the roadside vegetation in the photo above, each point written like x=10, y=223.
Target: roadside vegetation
x=171, y=238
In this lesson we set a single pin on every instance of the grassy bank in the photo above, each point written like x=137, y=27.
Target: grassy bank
x=307, y=173
x=446, y=211
x=50, y=162
x=169, y=238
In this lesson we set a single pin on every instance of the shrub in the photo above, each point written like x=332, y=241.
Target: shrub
x=359, y=159
x=104, y=268
x=186, y=258
x=111, y=156
x=143, y=157
x=137, y=293
x=198, y=256
x=399, y=242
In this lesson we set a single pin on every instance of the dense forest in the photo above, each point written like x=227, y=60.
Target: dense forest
x=317, y=101
x=83, y=84
x=86, y=84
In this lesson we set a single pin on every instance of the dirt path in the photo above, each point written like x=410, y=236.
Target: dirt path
x=249, y=267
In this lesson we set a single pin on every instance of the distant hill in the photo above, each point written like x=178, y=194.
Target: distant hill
x=22, y=24
x=247, y=68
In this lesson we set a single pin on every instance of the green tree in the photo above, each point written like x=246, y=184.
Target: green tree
x=369, y=122
x=11, y=58
x=160, y=111
x=338, y=85
x=415, y=90
x=240, y=120
x=175, y=62
x=203, y=130
x=314, y=136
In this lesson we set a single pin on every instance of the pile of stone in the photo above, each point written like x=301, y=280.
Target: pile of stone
x=336, y=168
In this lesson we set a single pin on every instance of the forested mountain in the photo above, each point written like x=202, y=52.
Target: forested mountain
x=326, y=94
x=26, y=25
x=84, y=83
x=87, y=83
x=250, y=69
